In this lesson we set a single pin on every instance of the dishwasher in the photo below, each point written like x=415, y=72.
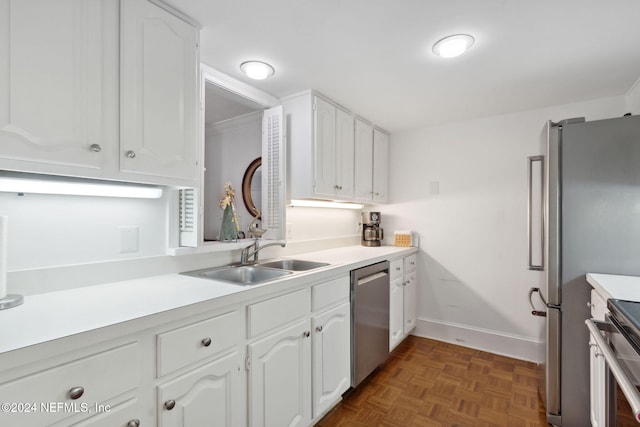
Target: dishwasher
x=369, y=319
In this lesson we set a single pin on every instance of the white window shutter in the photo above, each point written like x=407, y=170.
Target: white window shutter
x=188, y=200
x=273, y=173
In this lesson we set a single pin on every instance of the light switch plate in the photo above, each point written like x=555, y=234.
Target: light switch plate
x=128, y=239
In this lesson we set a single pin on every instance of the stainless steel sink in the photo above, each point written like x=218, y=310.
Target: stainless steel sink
x=241, y=274
x=293, y=264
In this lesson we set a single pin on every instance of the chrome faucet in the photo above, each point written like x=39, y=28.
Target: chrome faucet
x=253, y=249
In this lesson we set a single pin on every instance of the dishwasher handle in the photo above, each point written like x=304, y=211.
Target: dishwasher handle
x=625, y=383
x=371, y=278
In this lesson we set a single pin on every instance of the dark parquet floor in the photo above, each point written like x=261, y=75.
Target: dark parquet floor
x=431, y=383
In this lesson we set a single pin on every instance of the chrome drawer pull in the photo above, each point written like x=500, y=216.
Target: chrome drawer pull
x=133, y=423
x=76, y=393
x=170, y=404
x=206, y=342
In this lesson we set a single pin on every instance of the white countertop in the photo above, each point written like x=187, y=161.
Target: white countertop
x=49, y=316
x=614, y=286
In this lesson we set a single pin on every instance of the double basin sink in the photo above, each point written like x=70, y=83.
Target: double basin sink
x=256, y=273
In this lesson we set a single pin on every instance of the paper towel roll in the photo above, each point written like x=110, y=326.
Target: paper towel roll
x=4, y=231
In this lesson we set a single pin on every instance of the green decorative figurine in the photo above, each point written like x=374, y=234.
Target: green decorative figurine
x=230, y=226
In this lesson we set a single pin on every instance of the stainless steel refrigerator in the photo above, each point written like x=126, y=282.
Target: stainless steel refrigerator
x=589, y=184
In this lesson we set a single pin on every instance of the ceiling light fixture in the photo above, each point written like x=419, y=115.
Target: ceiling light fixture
x=257, y=70
x=452, y=46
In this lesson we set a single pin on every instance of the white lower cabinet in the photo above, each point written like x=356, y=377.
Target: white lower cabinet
x=280, y=378
x=331, y=356
x=410, y=296
x=209, y=395
x=598, y=367
x=282, y=360
x=74, y=387
x=396, y=312
x=301, y=365
x=402, y=299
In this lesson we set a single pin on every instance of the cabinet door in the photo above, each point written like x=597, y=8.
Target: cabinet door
x=410, y=296
x=345, y=152
x=58, y=78
x=363, y=167
x=280, y=378
x=396, y=312
x=207, y=396
x=380, y=166
x=331, y=346
x=324, y=147
x=597, y=373
x=159, y=92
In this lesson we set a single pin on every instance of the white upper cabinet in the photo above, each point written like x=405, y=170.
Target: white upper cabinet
x=333, y=151
x=330, y=150
x=159, y=92
x=345, y=152
x=324, y=147
x=380, y=166
x=98, y=88
x=58, y=85
x=363, y=161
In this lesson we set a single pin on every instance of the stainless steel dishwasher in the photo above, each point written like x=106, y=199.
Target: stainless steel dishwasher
x=369, y=320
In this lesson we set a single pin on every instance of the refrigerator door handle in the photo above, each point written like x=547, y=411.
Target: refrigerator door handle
x=530, y=205
x=534, y=311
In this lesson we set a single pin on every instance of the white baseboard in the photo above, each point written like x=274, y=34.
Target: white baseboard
x=517, y=347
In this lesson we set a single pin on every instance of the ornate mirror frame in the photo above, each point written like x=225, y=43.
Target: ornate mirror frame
x=246, y=187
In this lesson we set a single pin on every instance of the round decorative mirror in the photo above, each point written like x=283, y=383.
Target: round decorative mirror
x=251, y=187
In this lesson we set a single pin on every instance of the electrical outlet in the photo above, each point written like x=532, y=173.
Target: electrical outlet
x=358, y=227
x=128, y=239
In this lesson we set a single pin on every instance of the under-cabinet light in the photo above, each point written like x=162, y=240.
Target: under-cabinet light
x=50, y=185
x=325, y=204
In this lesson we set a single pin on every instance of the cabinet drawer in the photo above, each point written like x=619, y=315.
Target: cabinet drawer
x=101, y=376
x=117, y=416
x=186, y=345
x=277, y=311
x=326, y=294
x=410, y=263
x=396, y=268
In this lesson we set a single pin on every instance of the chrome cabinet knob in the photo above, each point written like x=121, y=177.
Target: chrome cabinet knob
x=133, y=423
x=306, y=334
x=76, y=392
x=96, y=148
x=590, y=305
x=319, y=328
x=206, y=342
x=169, y=404
x=130, y=154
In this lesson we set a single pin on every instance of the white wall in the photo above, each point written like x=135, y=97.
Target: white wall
x=473, y=279
x=50, y=230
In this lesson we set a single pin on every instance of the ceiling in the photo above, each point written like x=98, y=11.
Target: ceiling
x=374, y=56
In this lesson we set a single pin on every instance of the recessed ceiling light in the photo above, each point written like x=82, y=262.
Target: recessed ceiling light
x=452, y=46
x=257, y=70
